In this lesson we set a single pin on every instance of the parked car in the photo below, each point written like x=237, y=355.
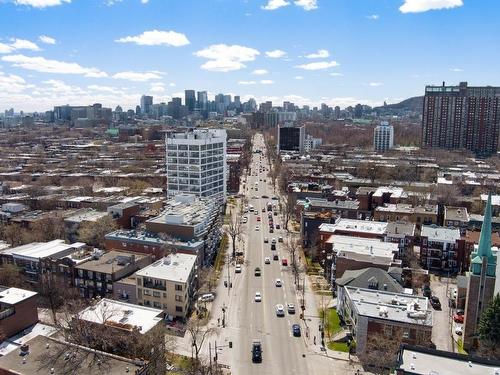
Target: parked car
x=459, y=330
x=280, y=310
x=280, y=239
x=435, y=303
x=208, y=297
x=238, y=268
x=284, y=262
x=291, y=308
x=296, y=330
x=277, y=226
x=427, y=291
x=458, y=318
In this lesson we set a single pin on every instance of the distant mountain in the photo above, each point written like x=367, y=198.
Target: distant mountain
x=414, y=104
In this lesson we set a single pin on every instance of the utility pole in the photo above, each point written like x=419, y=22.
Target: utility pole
x=210, y=355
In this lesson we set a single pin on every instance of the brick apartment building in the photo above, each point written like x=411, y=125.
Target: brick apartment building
x=18, y=310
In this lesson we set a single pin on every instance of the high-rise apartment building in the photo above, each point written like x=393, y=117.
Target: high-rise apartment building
x=291, y=138
x=456, y=117
x=146, y=104
x=190, y=100
x=383, y=137
x=202, y=100
x=196, y=162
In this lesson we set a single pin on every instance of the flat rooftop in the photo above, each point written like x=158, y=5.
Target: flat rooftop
x=421, y=361
x=41, y=359
x=112, y=261
x=174, y=267
x=12, y=296
x=395, y=192
x=355, y=226
x=456, y=214
x=122, y=315
x=399, y=230
x=37, y=250
x=440, y=234
x=400, y=207
x=362, y=248
x=86, y=215
x=384, y=305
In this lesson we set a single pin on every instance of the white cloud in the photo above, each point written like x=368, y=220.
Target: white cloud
x=417, y=6
x=266, y=82
x=10, y=83
x=275, y=54
x=172, y=84
x=138, y=76
x=41, y=64
x=247, y=83
x=375, y=84
x=105, y=89
x=307, y=4
x=47, y=39
x=5, y=48
x=24, y=44
x=373, y=17
x=41, y=3
x=318, y=65
x=457, y=70
x=260, y=72
x=335, y=74
x=298, y=77
x=157, y=38
x=275, y=4
x=226, y=58
x=320, y=54
x=157, y=87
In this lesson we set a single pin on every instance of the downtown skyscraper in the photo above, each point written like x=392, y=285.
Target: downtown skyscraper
x=461, y=117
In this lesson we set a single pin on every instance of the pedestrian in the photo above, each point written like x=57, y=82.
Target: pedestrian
x=314, y=340
x=218, y=322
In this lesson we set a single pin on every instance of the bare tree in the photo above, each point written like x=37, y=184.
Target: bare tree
x=234, y=229
x=287, y=203
x=93, y=232
x=293, y=246
x=55, y=293
x=10, y=275
x=381, y=352
x=198, y=332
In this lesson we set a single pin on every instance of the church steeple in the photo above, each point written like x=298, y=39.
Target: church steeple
x=484, y=246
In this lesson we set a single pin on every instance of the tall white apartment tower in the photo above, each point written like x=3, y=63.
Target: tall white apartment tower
x=383, y=137
x=196, y=162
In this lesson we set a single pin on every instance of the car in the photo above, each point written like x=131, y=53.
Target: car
x=280, y=310
x=263, y=209
x=296, y=330
x=291, y=308
x=267, y=260
x=277, y=226
x=273, y=240
x=255, y=213
x=257, y=228
x=264, y=196
x=458, y=318
x=244, y=219
x=280, y=239
x=258, y=218
x=273, y=246
x=275, y=213
x=278, y=283
x=238, y=268
x=427, y=291
x=459, y=330
x=208, y=297
x=256, y=351
x=275, y=257
x=271, y=230
x=454, y=293
x=435, y=303
x=266, y=240
x=274, y=198
x=257, y=271
x=284, y=262
x=460, y=312
x=258, y=297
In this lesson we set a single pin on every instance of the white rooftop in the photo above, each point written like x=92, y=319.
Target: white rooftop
x=350, y=225
x=12, y=296
x=363, y=248
x=435, y=233
x=396, y=192
x=495, y=199
x=174, y=267
x=126, y=315
x=37, y=250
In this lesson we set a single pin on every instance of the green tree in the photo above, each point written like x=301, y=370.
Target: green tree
x=489, y=328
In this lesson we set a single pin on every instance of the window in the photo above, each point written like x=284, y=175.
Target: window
x=178, y=287
x=388, y=331
x=147, y=302
x=157, y=305
x=147, y=292
x=178, y=298
x=178, y=308
x=156, y=294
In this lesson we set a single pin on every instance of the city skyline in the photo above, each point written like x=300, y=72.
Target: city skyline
x=367, y=52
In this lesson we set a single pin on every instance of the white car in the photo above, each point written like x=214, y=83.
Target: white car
x=459, y=330
x=258, y=297
x=280, y=310
x=238, y=268
x=278, y=283
x=209, y=297
x=267, y=260
x=257, y=228
x=291, y=308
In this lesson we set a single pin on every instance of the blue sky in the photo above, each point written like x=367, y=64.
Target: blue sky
x=340, y=52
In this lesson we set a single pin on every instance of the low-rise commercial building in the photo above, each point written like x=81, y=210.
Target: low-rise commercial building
x=18, y=310
x=168, y=284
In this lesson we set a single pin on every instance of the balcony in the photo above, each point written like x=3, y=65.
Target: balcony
x=151, y=285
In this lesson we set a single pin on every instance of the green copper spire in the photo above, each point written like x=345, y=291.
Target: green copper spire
x=484, y=248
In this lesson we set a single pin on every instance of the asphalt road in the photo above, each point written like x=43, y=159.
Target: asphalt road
x=248, y=320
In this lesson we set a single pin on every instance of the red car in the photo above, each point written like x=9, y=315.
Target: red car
x=284, y=262
x=458, y=318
